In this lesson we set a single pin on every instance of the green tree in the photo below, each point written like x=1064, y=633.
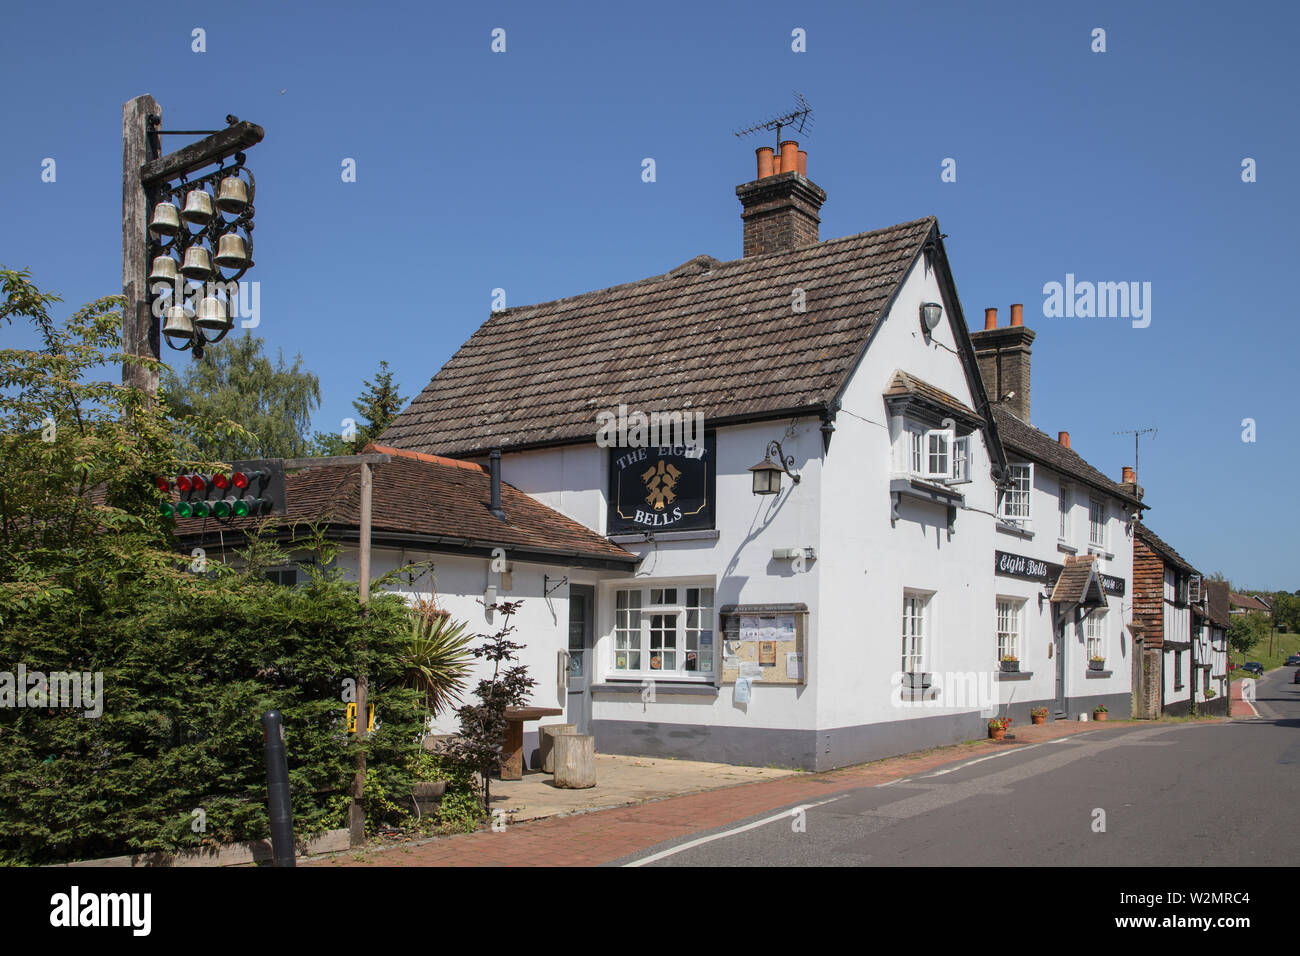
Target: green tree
x=235, y=381
x=183, y=664
x=378, y=405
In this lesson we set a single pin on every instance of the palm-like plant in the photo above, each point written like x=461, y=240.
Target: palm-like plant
x=437, y=659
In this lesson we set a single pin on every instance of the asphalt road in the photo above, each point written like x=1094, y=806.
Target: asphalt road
x=1166, y=795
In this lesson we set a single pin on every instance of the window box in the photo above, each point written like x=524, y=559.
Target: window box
x=918, y=680
x=1010, y=667
x=1097, y=664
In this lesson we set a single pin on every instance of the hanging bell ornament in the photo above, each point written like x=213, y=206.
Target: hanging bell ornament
x=212, y=315
x=164, y=270
x=198, y=207
x=166, y=220
x=197, y=264
x=179, y=327
x=233, y=195
x=231, y=252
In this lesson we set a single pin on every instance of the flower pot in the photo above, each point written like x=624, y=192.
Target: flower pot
x=1096, y=665
x=1011, y=667
x=1097, y=716
x=1038, y=718
x=997, y=734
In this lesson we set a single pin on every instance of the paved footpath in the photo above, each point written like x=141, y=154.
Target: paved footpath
x=589, y=839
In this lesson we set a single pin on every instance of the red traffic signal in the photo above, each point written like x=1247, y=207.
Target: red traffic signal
x=250, y=489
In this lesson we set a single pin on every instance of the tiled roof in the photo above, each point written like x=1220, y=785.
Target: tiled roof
x=423, y=498
x=1247, y=601
x=1072, y=584
x=716, y=337
x=1153, y=542
x=1027, y=441
x=1219, y=602
x=904, y=384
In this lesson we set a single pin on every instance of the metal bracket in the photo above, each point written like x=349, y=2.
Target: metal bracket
x=547, y=590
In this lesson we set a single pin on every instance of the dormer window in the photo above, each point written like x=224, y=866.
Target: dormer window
x=939, y=454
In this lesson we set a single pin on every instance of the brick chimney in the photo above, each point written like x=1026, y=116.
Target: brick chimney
x=1003, y=355
x=1128, y=482
x=781, y=206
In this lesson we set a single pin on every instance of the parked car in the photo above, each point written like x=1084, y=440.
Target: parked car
x=1293, y=661
x=1254, y=667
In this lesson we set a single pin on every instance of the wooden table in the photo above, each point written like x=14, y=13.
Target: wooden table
x=512, y=761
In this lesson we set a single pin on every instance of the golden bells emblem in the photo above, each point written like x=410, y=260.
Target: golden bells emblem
x=661, y=483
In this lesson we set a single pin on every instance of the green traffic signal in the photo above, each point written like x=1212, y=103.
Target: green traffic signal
x=184, y=510
x=241, y=508
x=221, y=509
x=166, y=510
x=200, y=509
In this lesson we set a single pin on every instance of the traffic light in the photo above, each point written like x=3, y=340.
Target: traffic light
x=249, y=489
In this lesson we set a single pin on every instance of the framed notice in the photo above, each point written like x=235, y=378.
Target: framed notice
x=764, y=643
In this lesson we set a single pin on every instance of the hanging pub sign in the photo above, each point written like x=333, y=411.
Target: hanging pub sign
x=1031, y=569
x=662, y=488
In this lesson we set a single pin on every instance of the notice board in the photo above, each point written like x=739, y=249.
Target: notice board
x=765, y=642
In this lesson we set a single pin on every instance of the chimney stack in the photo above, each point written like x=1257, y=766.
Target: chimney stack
x=1130, y=483
x=781, y=207
x=1003, y=355
x=1129, y=477
x=1063, y=438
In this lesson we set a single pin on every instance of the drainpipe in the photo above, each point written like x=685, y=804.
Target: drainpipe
x=494, y=468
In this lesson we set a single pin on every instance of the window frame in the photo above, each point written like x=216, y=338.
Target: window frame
x=1016, y=607
x=1103, y=524
x=1096, y=633
x=1025, y=521
x=1064, y=503
x=684, y=634
x=918, y=649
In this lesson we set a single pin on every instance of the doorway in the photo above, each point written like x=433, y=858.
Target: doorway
x=582, y=608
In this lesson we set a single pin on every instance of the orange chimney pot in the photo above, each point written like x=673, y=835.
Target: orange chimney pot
x=990, y=319
x=1129, y=477
x=789, y=156
x=765, y=165
x=803, y=163
x=1064, y=439
x=1018, y=315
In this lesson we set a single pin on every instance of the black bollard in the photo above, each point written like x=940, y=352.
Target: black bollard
x=277, y=789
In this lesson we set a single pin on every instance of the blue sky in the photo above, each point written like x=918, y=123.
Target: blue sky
x=522, y=171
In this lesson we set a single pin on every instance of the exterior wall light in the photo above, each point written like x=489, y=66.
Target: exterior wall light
x=931, y=313
x=767, y=473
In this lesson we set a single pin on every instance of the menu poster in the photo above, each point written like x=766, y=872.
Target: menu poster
x=767, y=653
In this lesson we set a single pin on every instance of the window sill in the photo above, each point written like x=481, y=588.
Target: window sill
x=1012, y=675
x=635, y=688
x=1014, y=530
x=1091, y=674
x=644, y=537
x=1101, y=552
x=1065, y=548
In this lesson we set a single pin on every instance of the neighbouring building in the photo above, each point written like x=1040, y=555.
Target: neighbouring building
x=1167, y=606
x=1243, y=605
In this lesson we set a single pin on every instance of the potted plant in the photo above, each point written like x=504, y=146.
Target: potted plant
x=917, y=680
x=998, y=727
x=1099, y=712
x=1097, y=663
x=1010, y=664
x=1038, y=715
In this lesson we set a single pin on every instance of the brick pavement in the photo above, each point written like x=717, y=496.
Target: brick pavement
x=590, y=839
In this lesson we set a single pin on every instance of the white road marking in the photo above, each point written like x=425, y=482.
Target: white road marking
x=971, y=763
x=784, y=815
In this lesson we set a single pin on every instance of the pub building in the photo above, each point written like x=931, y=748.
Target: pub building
x=833, y=574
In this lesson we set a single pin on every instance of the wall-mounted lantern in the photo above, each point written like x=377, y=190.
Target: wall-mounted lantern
x=931, y=313
x=767, y=473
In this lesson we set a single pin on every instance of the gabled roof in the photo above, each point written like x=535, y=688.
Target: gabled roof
x=1247, y=601
x=1079, y=583
x=716, y=337
x=439, y=505
x=903, y=384
x=1170, y=556
x=1026, y=441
